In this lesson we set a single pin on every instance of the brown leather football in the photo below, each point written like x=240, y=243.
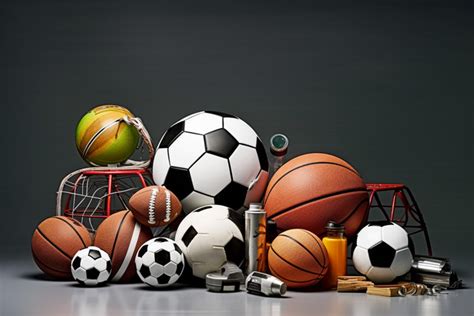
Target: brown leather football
x=155, y=206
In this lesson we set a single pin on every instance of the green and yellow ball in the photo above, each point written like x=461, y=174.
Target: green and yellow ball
x=103, y=138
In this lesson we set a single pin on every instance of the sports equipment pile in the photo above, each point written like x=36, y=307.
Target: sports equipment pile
x=207, y=168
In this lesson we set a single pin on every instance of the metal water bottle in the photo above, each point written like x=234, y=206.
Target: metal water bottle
x=255, y=238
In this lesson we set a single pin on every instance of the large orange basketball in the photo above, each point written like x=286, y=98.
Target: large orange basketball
x=312, y=189
x=55, y=242
x=120, y=235
x=298, y=257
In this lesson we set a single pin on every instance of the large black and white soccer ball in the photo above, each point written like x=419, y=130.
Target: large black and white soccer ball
x=91, y=266
x=210, y=236
x=160, y=262
x=212, y=158
x=382, y=252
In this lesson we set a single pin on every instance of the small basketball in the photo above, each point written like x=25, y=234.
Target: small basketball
x=120, y=235
x=55, y=242
x=313, y=189
x=298, y=257
x=103, y=138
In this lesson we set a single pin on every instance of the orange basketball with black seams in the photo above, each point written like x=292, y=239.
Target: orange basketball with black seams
x=313, y=189
x=120, y=235
x=54, y=243
x=298, y=257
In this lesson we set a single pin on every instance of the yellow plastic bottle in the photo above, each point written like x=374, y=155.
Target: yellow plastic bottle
x=336, y=246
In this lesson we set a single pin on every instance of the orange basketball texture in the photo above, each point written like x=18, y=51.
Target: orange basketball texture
x=298, y=257
x=312, y=189
x=55, y=242
x=121, y=236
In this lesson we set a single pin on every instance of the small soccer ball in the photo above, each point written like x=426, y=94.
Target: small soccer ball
x=211, y=158
x=209, y=237
x=382, y=252
x=103, y=138
x=159, y=262
x=91, y=266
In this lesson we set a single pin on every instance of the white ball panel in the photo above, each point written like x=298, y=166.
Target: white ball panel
x=170, y=268
x=156, y=269
x=203, y=123
x=90, y=282
x=395, y=236
x=103, y=276
x=80, y=274
x=151, y=281
x=154, y=246
x=175, y=257
x=186, y=149
x=138, y=261
x=203, y=258
x=380, y=275
x=241, y=131
x=87, y=262
x=161, y=166
x=245, y=165
x=168, y=246
x=220, y=230
x=148, y=258
x=83, y=252
x=369, y=236
x=101, y=264
x=210, y=174
x=361, y=260
x=402, y=262
x=174, y=278
x=233, y=230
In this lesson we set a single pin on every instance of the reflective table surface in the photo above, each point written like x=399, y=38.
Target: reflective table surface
x=25, y=291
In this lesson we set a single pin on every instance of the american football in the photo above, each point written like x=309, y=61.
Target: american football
x=155, y=206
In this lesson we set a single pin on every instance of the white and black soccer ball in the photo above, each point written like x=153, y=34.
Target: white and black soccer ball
x=210, y=236
x=159, y=262
x=382, y=252
x=212, y=158
x=91, y=266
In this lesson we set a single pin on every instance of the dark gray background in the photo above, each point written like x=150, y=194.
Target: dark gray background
x=387, y=85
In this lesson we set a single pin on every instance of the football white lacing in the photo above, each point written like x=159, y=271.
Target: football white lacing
x=151, y=206
x=168, y=206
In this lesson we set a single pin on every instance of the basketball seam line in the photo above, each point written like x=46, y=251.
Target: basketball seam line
x=317, y=241
x=116, y=235
x=308, y=164
x=69, y=224
x=304, y=247
x=317, y=199
x=353, y=211
x=47, y=266
x=53, y=244
x=281, y=277
x=293, y=265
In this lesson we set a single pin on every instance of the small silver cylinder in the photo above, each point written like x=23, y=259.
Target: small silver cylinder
x=255, y=238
